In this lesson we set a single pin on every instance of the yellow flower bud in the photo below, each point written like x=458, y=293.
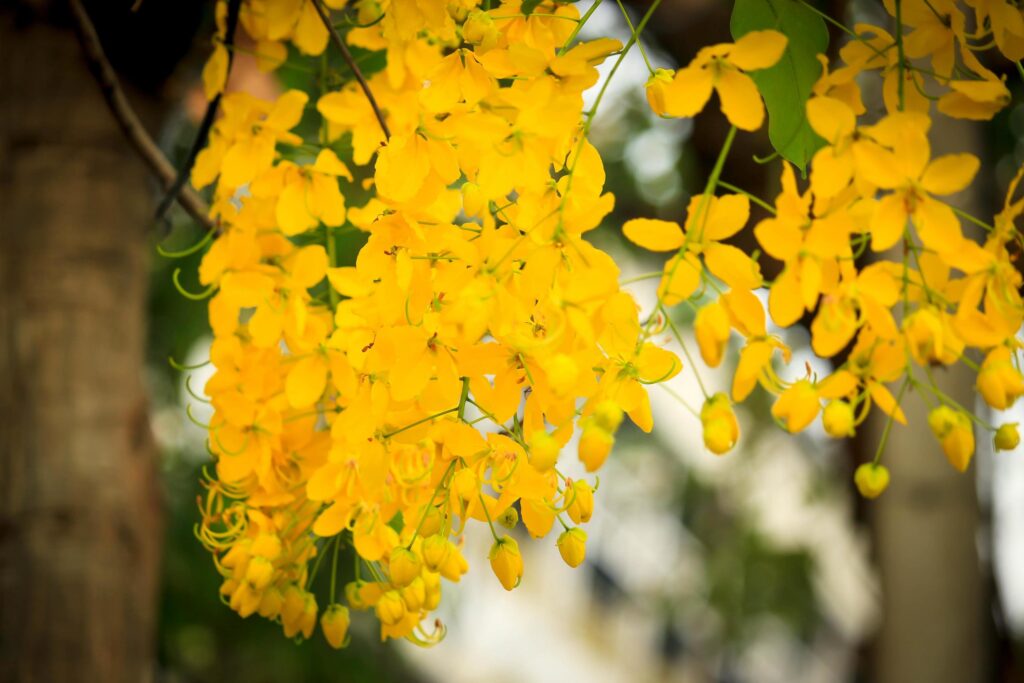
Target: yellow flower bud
x=797, y=406
x=595, y=445
x=711, y=328
x=999, y=382
x=871, y=479
x=479, y=29
x=608, y=415
x=245, y=600
x=299, y=613
x=572, y=545
x=656, y=90
x=403, y=566
x=266, y=545
x=925, y=335
x=838, y=419
x=390, y=608
x=544, y=450
x=432, y=589
x=259, y=573
x=720, y=427
x=414, y=594
x=506, y=562
x=582, y=506
x=508, y=519
x=334, y=623
x=435, y=551
x=1007, y=437
x=954, y=431
x=455, y=566
x=271, y=603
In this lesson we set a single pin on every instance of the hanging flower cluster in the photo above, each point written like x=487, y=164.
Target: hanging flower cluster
x=873, y=187
x=436, y=382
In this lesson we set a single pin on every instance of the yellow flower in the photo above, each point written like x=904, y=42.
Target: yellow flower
x=797, y=406
x=506, y=562
x=572, y=546
x=390, y=608
x=722, y=68
x=871, y=479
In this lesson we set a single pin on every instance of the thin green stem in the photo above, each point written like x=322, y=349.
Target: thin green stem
x=334, y=567
x=629, y=23
x=575, y=32
x=888, y=423
x=757, y=200
x=899, y=52
x=417, y=423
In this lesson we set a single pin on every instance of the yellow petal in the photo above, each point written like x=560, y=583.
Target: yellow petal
x=732, y=266
x=293, y=214
x=654, y=234
x=309, y=266
x=306, y=382
x=950, y=173
x=741, y=102
x=688, y=92
x=215, y=72
x=758, y=50
x=830, y=118
x=888, y=223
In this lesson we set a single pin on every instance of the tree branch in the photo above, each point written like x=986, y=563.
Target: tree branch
x=343, y=48
x=126, y=117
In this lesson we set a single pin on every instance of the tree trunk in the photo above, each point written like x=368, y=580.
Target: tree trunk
x=936, y=614
x=80, y=510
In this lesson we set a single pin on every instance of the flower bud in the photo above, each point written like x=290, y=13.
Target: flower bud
x=655, y=88
x=266, y=545
x=479, y=29
x=508, y=519
x=712, y=329
x=720, y=427
x=954, y=431
x=414, y=594
x=390, y=608
x=594, y=447
x=506, y=562
x=871, y=479
x=403, y=566
x=1007, y=437
x=259, y=573
x=543, y=450
x=435, y=551
x=432, y=589
x=271, y=603
x=334, y=623
x=582, y=506
x=838, y=419
x=455, y=566
x=999, y=382
x=797, y=406
x=572, y=545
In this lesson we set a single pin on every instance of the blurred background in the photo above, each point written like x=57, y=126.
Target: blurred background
x=760, y=566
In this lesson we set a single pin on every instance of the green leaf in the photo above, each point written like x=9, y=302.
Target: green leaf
x=787, y=85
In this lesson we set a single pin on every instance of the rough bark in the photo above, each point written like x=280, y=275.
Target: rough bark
x=79, y=500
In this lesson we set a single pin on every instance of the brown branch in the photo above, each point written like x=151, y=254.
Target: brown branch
x=343, y=48
x=126, y=117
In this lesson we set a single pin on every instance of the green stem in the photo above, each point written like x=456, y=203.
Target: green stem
x=888, y=424
x=334, y=567
x=899, y=51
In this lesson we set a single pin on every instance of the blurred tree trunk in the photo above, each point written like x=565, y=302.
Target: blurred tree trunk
x=80, y=510
x=936, y=617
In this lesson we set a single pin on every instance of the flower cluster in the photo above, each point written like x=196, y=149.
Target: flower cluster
x=870, y=241
x=437, y=381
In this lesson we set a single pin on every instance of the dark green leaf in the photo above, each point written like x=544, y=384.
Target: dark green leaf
x=787, y=85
